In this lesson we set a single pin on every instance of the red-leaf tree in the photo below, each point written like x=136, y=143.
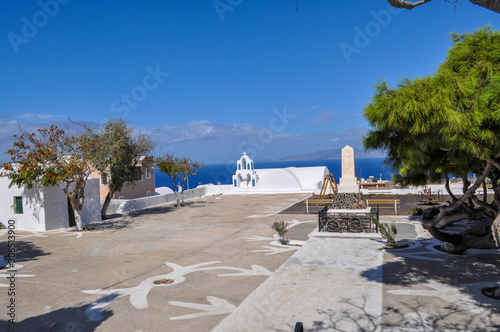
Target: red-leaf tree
x=52, y=157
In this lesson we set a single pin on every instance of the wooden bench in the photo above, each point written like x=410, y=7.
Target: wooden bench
x=384, y=201
x=317, y=202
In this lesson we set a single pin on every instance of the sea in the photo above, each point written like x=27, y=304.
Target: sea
x=222, y=173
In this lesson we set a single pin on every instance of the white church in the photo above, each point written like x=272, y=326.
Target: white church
x=290, y=179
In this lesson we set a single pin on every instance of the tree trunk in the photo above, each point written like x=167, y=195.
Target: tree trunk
x=450, y=219
x=182, y=195
x=76, y=198
x=75, y=205
x=493, y=5
x=178, y=201
x=406, y=4
x=479, y=238
x=78, y=220
x=105, y=205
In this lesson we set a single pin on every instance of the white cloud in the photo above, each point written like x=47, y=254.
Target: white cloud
x=214, y=143
x=325, y=117
x=37, y=116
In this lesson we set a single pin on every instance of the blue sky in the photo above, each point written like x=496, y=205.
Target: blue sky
x=209, y=79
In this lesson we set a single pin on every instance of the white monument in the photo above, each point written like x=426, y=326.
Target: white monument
x=348, y=182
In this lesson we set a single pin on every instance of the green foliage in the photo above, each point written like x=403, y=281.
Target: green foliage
x=416, y=212
x=177, y=168
x=49, y=157
x=387, y=231
x=2, y=226
x=447, y=124
x=119, y=153
x=281, y=227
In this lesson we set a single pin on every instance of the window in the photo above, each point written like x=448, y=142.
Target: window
x=138, y=173
x=148, y=173
x=18, y=204
x=148, y=193
x=104, y=179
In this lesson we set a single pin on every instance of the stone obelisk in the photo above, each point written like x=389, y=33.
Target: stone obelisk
x=348, y=182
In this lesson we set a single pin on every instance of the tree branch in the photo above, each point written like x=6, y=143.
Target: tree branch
x=467, y=194
x=406, y=4
x=450, y=193
x=493, y=5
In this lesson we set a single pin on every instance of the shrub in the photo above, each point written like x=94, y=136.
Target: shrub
x=2, y=226
x=416, y=212
x=387, y=231
x=280, y=226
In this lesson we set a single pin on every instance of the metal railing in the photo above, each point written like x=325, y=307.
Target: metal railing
x=430, y=196
x=342, y=222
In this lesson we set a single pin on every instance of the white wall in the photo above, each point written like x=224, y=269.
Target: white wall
x=33, y=216
x=46, y=208
x=55, y=207
x=92, y=206
x=130, y=205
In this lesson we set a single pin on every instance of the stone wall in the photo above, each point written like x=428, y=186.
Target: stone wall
x=348, y=201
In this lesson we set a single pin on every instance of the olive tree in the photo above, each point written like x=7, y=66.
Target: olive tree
x=120, y=152
x=178, y=168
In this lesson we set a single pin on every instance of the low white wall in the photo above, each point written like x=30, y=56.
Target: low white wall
x=407, y=191
x=221, y=189
x=147, y=202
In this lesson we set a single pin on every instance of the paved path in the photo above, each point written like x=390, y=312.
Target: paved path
x=345, y=284
x=216, y=251
x=214, y=265
x=321, y=281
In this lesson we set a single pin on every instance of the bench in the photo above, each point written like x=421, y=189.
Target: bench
x=384, y=201
x=317, y=202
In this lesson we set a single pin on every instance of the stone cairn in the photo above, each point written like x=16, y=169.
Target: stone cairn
x=348, y=201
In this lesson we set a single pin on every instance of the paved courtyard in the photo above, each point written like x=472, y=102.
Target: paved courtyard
x=214, y=265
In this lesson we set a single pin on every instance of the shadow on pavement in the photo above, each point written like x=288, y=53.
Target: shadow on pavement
x=23, y=250
x=65, y=319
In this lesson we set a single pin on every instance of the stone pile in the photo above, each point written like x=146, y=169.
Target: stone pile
x=348, y=201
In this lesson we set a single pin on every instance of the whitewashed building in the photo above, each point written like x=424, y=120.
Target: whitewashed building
x=45, y=208
x=289, y=179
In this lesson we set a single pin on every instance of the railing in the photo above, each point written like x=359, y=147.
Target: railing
x=342, y=222
x=428, y=196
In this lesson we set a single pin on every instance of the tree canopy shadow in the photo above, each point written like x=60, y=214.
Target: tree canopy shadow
x=65, y=319
x=422, y=262
x=23, y=249
x=411, y=317
x=163, y=209
x=115, y=224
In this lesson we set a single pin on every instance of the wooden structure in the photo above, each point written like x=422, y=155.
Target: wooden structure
x=388, y=202
x=328, y=182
